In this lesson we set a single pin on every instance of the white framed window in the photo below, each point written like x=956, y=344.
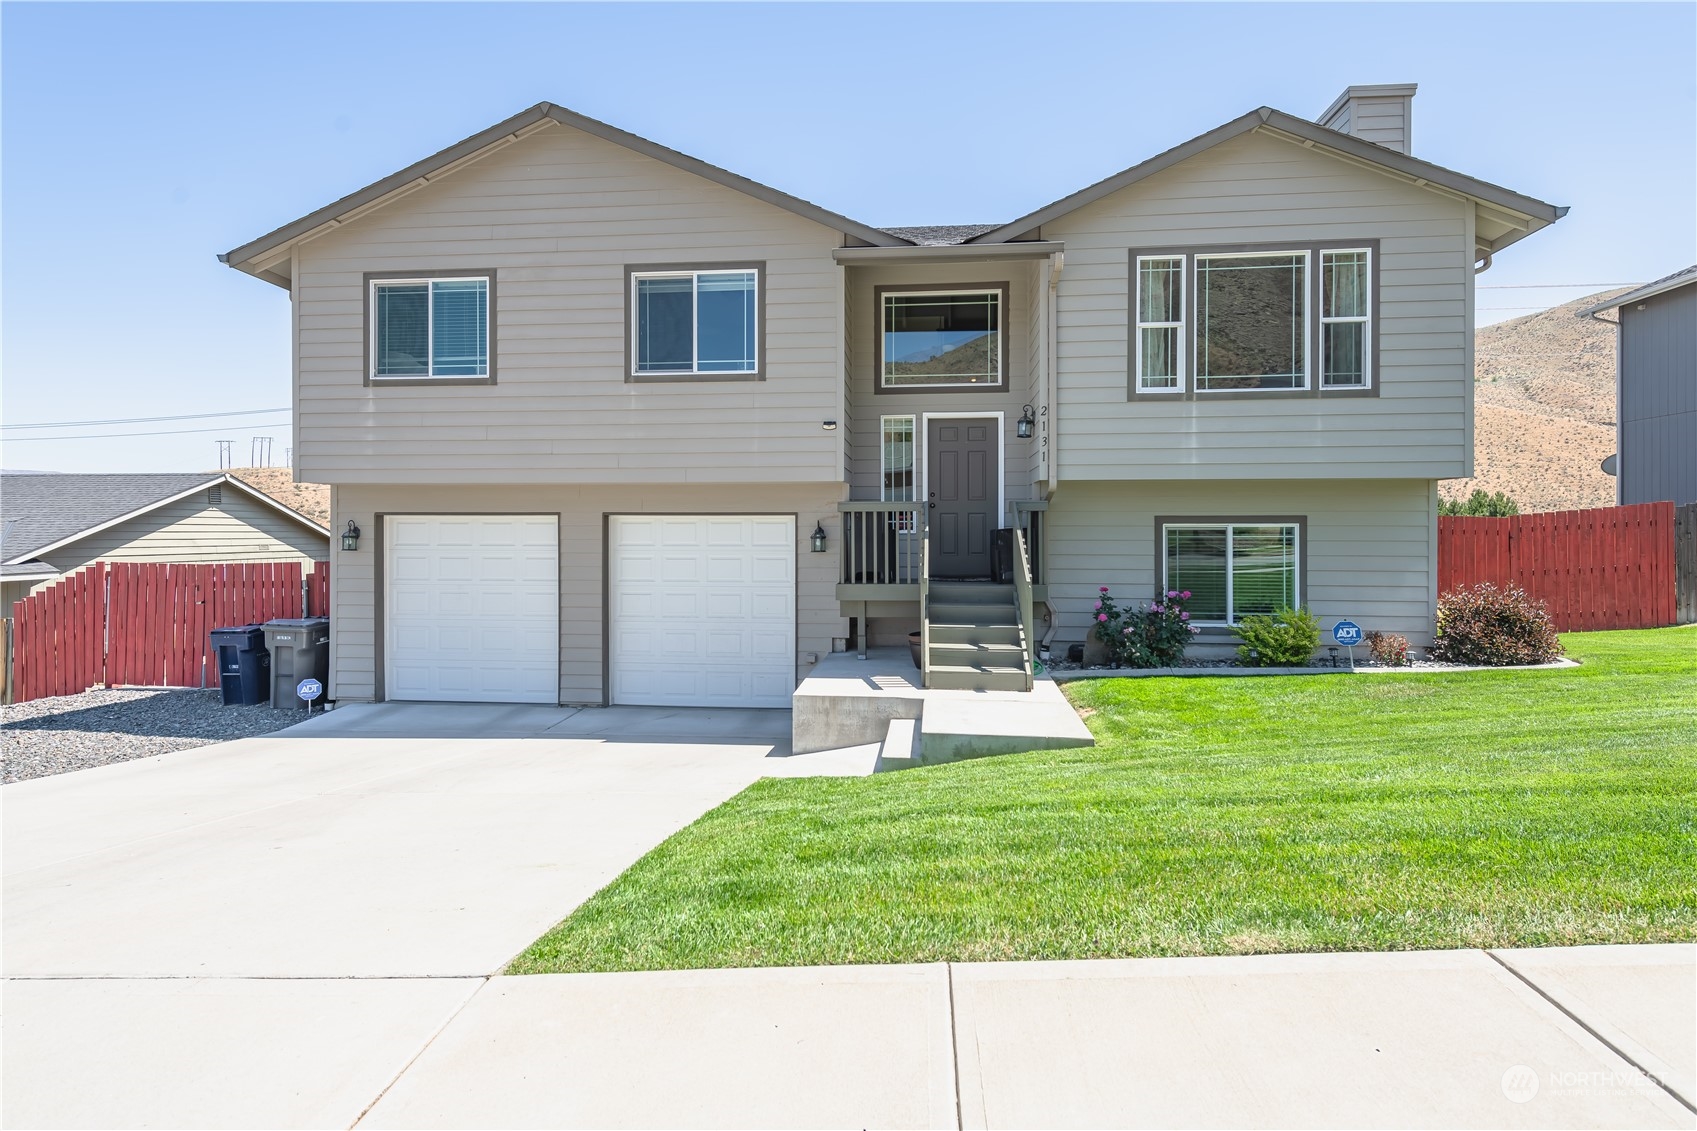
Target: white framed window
x=941, y=339
x=430, y=327
x=1233, y=569
x=1159, y=348
x=1251, y=321
x=1346, y=320
x=686, y=323
x=896, y=471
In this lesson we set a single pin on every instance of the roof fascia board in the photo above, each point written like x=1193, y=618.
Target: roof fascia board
x=481, y=144
x=1649, y=290
x=1306, y=133
x=43, y=574
x=948, y=253
x=153, y=506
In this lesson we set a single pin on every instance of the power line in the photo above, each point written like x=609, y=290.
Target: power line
x=1544, y=286
x=146, y=419
x=119, y=435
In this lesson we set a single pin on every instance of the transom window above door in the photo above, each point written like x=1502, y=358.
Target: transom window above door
x=695, y=323
x=941, y=339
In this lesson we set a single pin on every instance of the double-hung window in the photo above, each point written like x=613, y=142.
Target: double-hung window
x=431, y=327
x=941, y=339
x=695, y=323
x=1345, y=321
x=1232, y=569
x=896, y=466
x=1252, y=320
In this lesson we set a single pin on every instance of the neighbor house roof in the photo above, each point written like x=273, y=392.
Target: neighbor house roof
x=44, y=512
x=1536, y=213
x=1673, y=282
x=250, y=256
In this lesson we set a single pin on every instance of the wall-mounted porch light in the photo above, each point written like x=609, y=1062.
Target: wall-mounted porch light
x=1027, y=423
x=828, y=425
x=350, y=536
x=819, y=537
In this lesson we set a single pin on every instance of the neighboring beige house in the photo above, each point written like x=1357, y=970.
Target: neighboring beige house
x=55, y=524
x=588, y=399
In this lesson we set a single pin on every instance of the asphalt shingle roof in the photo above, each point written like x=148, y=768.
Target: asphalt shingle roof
x=40, y=510
x=1666, y=283
x=941, y=235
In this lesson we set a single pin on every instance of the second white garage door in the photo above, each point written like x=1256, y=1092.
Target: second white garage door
x=701, y=610
x=473, y=608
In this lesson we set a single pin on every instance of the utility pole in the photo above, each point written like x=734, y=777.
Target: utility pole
x=224, y=456
x=260, y=451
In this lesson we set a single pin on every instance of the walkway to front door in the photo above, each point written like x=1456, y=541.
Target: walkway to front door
x=961, y=470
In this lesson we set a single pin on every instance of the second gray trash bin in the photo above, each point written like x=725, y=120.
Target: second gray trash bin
x=300, y=649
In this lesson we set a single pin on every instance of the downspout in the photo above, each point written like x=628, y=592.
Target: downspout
x=1057, y=263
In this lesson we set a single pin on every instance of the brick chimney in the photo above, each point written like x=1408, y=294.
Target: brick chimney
x=1382, y=115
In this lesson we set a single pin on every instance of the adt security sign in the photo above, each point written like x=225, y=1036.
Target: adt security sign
x=309, y=689
x=1347, y=633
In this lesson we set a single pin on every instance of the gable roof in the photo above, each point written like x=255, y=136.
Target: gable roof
x=499, y=135
x=1537, y=213
x=1673, y=282
x=941, y=235
x=44, y=512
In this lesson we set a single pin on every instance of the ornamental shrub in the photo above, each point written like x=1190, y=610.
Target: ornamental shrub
x=1286, y=639
x=1481, y=503
x=1388, y=648
x=1492, y=626
x=1154, y=636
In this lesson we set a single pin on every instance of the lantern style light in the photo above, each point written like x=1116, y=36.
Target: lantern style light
x=819, y=537
x=350, y=537
x=1027, y=423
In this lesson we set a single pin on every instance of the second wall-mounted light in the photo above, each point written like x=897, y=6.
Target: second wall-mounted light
x=1027, y=424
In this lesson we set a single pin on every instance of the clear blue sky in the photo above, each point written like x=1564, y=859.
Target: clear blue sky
x=140, y=139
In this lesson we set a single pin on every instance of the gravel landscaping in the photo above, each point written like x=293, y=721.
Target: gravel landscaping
x=97, y=728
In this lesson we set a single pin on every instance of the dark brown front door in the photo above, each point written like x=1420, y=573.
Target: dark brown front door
x=960, y=485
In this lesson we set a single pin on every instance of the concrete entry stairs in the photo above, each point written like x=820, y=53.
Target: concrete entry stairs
x=977, y=642
x=846, y=701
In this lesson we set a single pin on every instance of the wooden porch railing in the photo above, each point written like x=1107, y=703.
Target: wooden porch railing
x=882, y=546
x=1022, y=593
x=1028, y=517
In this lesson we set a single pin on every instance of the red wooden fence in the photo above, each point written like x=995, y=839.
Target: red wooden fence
x=1611, y=567
x=148, y=624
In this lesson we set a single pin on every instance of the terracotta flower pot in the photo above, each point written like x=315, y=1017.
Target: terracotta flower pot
x=913, y=646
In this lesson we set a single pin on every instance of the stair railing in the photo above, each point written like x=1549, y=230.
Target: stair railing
x=924, y=602
x=1022, y=593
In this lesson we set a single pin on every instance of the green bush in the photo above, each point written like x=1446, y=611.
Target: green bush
x=1286, y=639
x=1388, y=648
x=1480, y=504
x=1493, y=627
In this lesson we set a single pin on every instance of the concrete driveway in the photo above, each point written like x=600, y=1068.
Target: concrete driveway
x=296, y=915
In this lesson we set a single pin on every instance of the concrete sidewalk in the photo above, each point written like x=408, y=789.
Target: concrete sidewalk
x=1539, y=1038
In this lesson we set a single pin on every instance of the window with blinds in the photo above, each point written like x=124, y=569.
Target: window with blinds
x=430, y=327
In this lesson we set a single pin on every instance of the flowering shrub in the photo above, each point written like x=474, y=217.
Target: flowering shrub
x=1286, y=639
x=1491, y=626
x=1154, y=636
x=1388, y=648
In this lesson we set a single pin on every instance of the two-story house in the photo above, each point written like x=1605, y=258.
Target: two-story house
x=619, y=426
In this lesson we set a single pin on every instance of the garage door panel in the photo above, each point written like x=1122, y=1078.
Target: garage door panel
x=473, y=608
x=695, y=576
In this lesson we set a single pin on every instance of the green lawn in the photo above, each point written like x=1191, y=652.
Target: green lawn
x=1215, y=816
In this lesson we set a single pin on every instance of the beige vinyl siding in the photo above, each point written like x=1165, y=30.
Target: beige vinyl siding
x=354, y=599
x=1371, y=553
x=237, y=529
x=558, y=215
x=1382, y=121
x=1257, y=189
x=866, y=406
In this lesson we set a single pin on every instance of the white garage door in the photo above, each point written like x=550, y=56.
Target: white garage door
x=473, y=608
x=702, y=610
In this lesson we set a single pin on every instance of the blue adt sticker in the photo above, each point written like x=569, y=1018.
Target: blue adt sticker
x=1347, y=633
x=309, y=689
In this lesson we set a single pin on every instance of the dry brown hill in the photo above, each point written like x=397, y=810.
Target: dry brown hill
x=1544, y=403
x=310, y=499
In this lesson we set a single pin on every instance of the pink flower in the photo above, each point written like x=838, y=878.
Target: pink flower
x=1183, y=615
x=1172, y=593
x=1104, y=588
x=1098, y=604
x=1185, y=594
x=1194, y=630
x=1157, y=608
x=1127, y=632
x=1103, y=617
